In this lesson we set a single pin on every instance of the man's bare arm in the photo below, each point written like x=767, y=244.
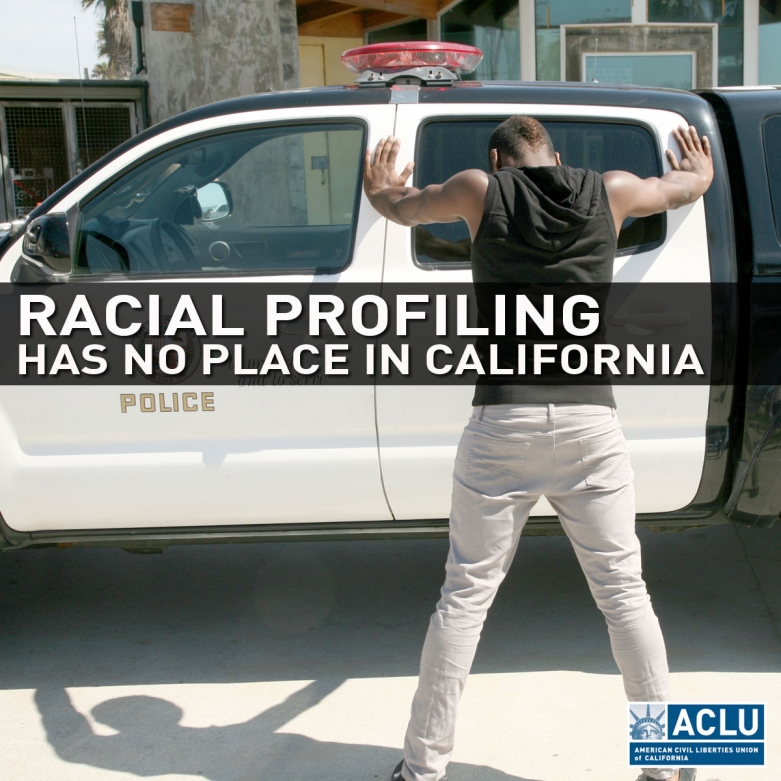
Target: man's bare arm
x=631, y=196
x=460, y=198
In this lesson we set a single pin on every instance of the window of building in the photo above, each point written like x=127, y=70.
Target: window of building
x=99, y=129
x=268, y=200
x=651, y=70
x=551, y=14
x=415, y=30
x=494, y=29
x=448, y=147
x=45, y=144
x=729, y=16
x=770, y=41
x=37, y=154
x=771, y=130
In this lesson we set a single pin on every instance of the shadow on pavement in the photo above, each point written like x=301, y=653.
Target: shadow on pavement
x=151, y=742
x=327, y=612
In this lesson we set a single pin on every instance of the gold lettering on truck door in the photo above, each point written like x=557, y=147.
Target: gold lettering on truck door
x=167, y=402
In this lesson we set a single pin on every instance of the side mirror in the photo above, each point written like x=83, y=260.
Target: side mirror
x=46, y=252
x=215, y=201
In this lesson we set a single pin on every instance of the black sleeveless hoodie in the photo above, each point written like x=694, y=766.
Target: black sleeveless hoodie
x=542, y=224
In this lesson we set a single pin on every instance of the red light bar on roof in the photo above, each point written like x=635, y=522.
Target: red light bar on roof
x=412, y=54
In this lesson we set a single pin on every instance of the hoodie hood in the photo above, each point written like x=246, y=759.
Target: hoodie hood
x=550, y=205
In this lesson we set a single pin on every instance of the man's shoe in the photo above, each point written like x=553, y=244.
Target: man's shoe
x=687, y=774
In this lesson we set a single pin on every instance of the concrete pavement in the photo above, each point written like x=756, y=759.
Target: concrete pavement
x=297, y=662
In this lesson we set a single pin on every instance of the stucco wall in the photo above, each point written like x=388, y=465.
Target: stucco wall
x=234, y=48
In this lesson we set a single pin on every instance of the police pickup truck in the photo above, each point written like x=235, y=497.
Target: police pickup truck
x=268, y=188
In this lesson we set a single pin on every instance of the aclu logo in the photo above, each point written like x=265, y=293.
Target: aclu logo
x=716, y=722
x=692, y=734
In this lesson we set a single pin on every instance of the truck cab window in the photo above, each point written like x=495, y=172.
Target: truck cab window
x=772, y=133
x=450, y=146
x=278, y=199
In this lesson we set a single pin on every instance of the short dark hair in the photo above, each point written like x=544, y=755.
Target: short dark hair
x=518, y=134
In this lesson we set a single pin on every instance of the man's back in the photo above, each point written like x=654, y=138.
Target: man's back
x=544, y=224
x=549, y=226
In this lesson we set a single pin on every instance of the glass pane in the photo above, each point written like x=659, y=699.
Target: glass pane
x=650, y=70
x=409, y=31
x=37, y=154
x=770, y=42
x=730, y=55
x=494, y=29
x=449, y=147
x=99, y=129
x=727, y=13
x=290, y=191
x=552, y=13
x=549, y=54
x=770, y=54
x=772, y=134
x=724, y=11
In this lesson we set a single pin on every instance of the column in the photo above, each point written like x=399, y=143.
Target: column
x=528, y=35
x=639, y=11
x=750, y=43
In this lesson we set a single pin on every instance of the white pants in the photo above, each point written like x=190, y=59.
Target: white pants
x=510, y=456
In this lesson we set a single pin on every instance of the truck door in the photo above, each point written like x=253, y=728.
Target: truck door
x=419, y=427
x=280, y=191
x=750, y=122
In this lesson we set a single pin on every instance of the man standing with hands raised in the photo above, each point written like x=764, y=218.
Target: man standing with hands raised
x=533, y=219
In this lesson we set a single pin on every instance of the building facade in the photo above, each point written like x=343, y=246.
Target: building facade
x=669, y=43
x=197, y=52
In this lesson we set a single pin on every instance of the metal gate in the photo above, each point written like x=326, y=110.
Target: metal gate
x=45, y=144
